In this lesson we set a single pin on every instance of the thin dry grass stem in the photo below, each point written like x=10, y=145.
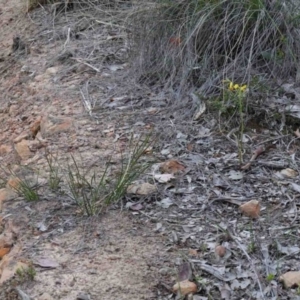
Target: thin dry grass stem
x=198, y=43
x=54, y=179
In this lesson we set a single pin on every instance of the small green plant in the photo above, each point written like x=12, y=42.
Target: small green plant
x=25, y=274
x=252, y=246
x=203, y=247
x=54, y=178
x=85, y=189
x=237, y=94
x=131, y=169
x=93, y=193
x=26, y=189
x=22, y=183
x=270, y=277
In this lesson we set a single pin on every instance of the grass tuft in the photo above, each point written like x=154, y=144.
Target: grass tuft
x=93, y=193
x=26, y=189
x=198, y=43
x=24, y=184
x=54, y=179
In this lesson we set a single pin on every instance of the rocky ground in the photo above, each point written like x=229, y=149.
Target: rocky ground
x=112, y=257
x=225, y=230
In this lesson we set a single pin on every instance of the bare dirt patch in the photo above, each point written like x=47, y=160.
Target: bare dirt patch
x=111, y=256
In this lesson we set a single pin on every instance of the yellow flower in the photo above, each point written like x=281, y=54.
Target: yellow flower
x=236, y=86
x=243, y=88
x=231, y=88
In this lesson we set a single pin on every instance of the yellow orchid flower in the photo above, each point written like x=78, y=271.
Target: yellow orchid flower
x=243, y=88
x=236, y=86
x=231, y=88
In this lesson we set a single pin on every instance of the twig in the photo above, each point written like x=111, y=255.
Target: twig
x=68, y=39
x=236, y=201
x=87, y=64
x=86, y=103
x=273, y=139
x=257, y=152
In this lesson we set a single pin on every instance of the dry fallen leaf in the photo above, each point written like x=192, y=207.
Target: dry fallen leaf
x=172, y=166
x=235, y=175
x=185, y=287
x=296, y=187
x=257, y=152
x=289, y=173
x=201, y=109
x=165, y=203
x=251, y=209
x=163, y=178
x=185, y=272
x=225, y=291
x=134, y=206
x=297, y=133
x=144, y=188
x=45, y=262
x=290, y=279
x=13, y=183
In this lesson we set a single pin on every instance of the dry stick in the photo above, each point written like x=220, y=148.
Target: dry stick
x=261, y=149
x=232, y=200
x=295, y=208
x=87, y=104
x=257, y=152
x=109, y=24
x=87, y=64
x=273, y=139
x=68, y=39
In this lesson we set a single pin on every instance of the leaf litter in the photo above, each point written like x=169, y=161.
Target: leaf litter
x=247, y=211
x=262, y=244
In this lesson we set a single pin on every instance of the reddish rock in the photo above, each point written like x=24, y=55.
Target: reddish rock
x=185, y=287
x=51, y=125
x=22, y=148
x=5, y=194
x=251, y=209
x=36, y=126
x=22, y=136
x=12, y=183
x=220, y=251
x=290, y=279
x=4, y=149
